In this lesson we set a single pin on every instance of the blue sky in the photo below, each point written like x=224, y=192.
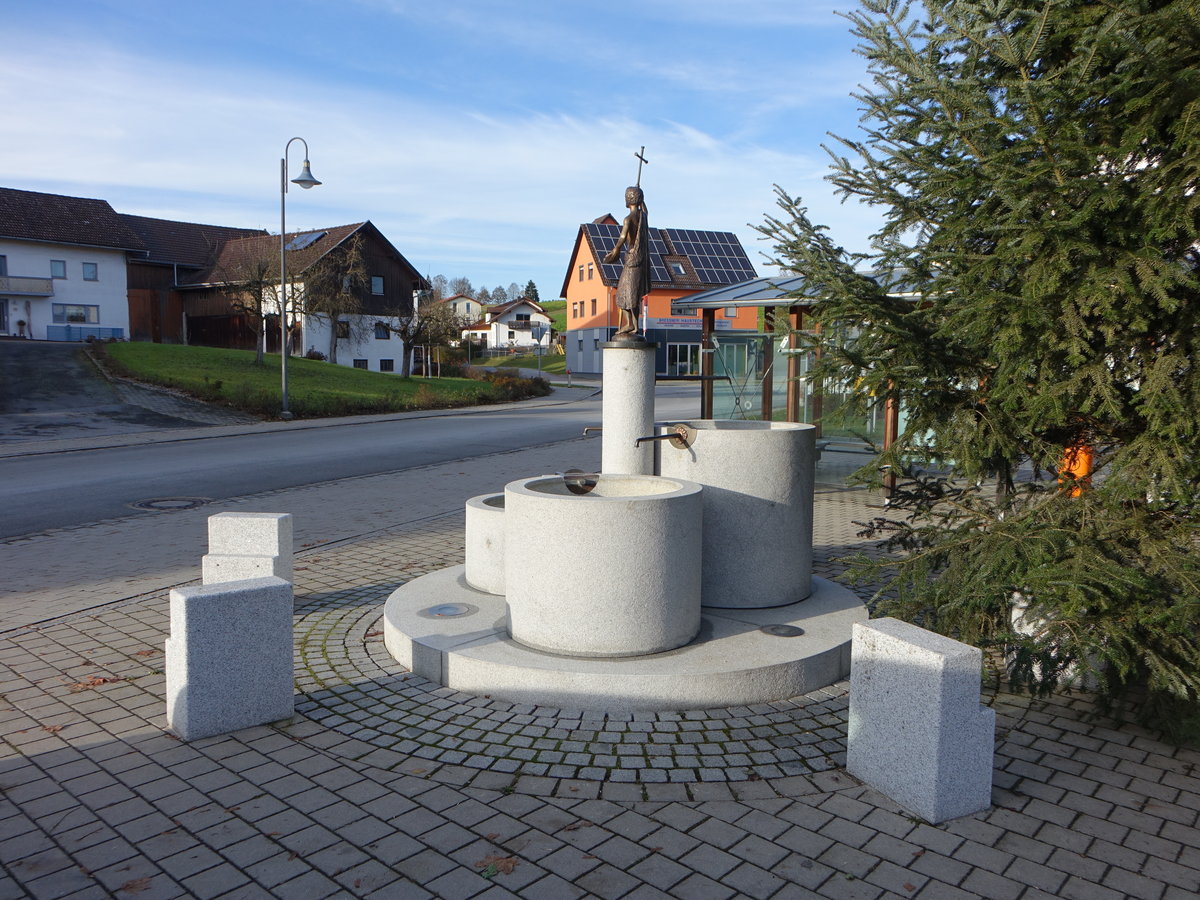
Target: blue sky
x=477, y=135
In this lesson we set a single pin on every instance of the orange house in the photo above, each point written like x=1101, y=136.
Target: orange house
x=682, y=262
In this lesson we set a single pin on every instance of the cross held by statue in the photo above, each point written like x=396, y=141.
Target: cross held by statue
x=641, y=159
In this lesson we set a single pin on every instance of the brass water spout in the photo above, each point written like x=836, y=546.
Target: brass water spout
x=680, y=437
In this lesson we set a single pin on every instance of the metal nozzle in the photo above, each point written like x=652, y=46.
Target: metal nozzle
x=680, y=437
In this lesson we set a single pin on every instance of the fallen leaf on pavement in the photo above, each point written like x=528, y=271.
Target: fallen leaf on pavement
x=92, y=681
x=502, y=864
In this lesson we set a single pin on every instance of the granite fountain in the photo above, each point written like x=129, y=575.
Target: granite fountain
x=678, y=577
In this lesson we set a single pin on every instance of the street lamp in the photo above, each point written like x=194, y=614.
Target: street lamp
x=306, y=181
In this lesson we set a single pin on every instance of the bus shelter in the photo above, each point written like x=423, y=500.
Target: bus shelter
x=765, y=375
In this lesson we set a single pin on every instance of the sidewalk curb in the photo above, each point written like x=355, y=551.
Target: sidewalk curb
x=203, y=432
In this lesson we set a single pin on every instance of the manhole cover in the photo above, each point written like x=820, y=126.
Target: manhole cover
x=782, y=630
x=449, y=610
x=165, y=503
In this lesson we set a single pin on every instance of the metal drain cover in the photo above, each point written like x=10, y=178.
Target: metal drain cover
x=782, y=630
x=449, y=610
x=158, y=504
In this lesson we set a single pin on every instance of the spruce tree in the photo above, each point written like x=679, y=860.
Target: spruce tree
x=1034, y=291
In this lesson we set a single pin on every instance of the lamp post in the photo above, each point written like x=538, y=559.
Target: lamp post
x=305, y=180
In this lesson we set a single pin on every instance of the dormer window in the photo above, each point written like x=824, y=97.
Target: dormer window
x=677, y=268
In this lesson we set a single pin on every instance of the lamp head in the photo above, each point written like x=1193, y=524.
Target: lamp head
x=305, y=178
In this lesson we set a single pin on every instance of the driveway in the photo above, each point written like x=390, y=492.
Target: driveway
x=52, y=391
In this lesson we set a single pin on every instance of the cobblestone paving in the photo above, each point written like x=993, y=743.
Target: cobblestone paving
x=385, y=785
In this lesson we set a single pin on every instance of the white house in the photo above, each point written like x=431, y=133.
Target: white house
x=468, y=309
x=216, y=306
x=63, y=267
x=511, y=325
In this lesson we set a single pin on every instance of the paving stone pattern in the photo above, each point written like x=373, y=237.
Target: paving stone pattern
x=386, y=785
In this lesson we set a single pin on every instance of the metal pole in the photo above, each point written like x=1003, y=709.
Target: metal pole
x=305, y=180
x=284, y=413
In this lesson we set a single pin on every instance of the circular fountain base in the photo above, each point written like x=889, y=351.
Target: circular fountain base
x=446, y=631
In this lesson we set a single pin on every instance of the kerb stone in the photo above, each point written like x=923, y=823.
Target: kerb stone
x=229, y=657
x=917, y=731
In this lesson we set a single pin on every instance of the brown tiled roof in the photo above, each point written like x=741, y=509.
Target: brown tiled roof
x=57, y=219
x=496, y=311
x=184, y=243
x=237, y=255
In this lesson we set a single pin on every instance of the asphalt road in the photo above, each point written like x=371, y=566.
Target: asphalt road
x=55, y=490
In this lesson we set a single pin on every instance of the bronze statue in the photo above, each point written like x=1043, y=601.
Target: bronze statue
x=634, y=283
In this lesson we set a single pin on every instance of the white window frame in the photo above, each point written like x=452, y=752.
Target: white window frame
x=95, y=270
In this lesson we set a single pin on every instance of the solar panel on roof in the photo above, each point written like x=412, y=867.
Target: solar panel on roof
x=300, y=241
x=716, y=256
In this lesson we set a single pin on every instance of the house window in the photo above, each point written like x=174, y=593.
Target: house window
x=343, y=331
x=581, y=273
x=581, y=345
x=58, y=268
x=360, y=364
x=591, y=271
x=3, y=265
x=523, y=317
x=595, y=343
x=382, y=332
x=91, y=272
x=376, y=284
x=731, y=312
x=512, y=335
x=387, y=365
x=75, y=314
x=593, y=306
x=677, y=268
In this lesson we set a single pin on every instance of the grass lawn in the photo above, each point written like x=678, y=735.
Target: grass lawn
x=554, y=363
x=557, y=311
x=315, y=388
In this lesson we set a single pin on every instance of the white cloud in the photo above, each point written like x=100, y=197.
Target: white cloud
x=458, y=190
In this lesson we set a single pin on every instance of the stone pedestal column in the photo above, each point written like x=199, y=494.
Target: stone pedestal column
x=628, y=407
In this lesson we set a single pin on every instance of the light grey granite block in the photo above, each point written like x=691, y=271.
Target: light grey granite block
x=234, y=539
x=216, y=568
x=917, y=731
x=229, y=657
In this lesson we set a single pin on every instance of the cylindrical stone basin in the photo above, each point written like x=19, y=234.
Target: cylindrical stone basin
x=758, y=496
x=614, y=571
x=485, y=543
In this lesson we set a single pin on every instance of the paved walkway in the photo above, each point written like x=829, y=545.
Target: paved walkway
x=387, y=785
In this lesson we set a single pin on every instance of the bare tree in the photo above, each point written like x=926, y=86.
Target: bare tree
x=461, y=285
x=333, y=287
x=500, y=295
x=439, y=287
x=514, y=291
x=252, y=291
x=484, y=296
x=430, y=323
